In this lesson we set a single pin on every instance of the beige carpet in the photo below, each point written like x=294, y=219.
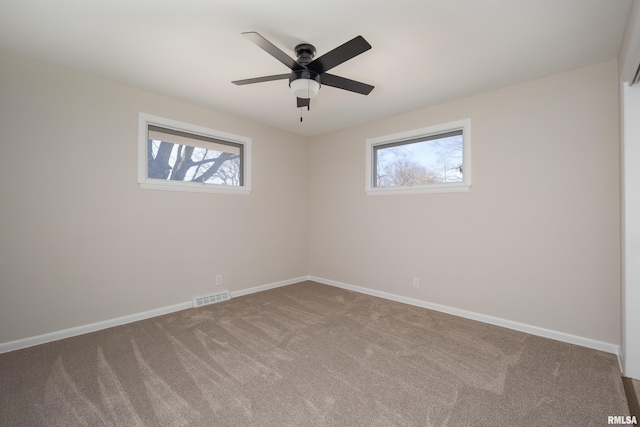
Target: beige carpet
x=309, y=355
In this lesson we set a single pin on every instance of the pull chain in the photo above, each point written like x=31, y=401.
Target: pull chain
x=301, y=108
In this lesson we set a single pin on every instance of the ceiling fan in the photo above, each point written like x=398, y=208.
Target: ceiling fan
x=308, y=74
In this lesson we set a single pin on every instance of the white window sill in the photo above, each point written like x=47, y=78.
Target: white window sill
x=193, y=187
x=423, y=189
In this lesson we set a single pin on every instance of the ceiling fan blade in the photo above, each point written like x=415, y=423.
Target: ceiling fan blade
x=303, y=102
x=337, y=56
x=272, y=50
x=261, y=79
x=346, y=84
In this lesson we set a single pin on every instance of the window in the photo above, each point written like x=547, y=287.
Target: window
x=178, y=156
x=427, y=160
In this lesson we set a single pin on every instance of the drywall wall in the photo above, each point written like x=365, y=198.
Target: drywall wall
x=535, y=241
x=82, y=243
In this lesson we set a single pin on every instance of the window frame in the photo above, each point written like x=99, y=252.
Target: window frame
x=408, y=137
x=145, y=120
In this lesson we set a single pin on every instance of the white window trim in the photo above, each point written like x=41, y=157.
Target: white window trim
x=144, y=120
x=451, y=187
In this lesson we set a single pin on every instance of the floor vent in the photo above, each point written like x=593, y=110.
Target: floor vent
x=211, y=299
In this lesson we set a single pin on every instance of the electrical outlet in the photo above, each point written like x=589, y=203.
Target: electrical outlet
x=416, y=282
x=219, y=280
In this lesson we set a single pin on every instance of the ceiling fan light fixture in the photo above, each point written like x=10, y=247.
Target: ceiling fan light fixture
x=304, y=88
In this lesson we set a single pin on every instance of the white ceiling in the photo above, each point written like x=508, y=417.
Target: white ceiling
x=424, y=51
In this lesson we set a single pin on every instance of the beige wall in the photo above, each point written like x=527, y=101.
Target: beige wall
x=81, y=243
x=535, y=241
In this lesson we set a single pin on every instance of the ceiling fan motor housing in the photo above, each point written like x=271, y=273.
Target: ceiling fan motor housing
x=304, y=74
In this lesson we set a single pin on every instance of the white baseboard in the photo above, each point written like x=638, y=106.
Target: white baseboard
x=621, y=360
x=93, y=327
x=268, y=286
x=534, y=330
x=522, y=327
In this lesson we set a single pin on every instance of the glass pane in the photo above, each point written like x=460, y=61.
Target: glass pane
x=434, y=160
x=180, y=158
